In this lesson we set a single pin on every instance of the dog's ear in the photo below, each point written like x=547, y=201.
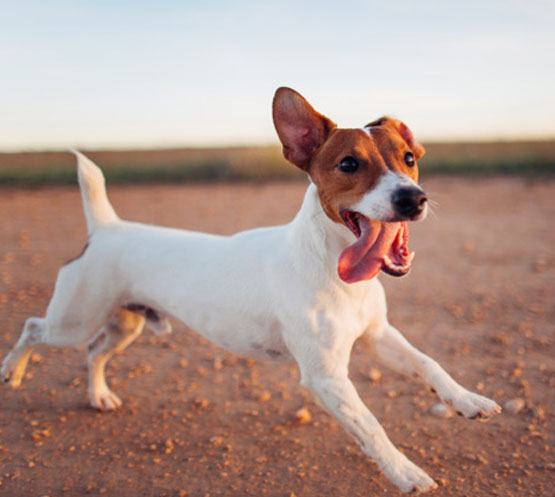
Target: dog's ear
x=300, y=128
x=407, y=135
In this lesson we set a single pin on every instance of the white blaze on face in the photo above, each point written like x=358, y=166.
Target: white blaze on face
x=378, y=203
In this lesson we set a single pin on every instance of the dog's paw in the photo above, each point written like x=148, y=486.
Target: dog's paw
x=104, y=399
x=472, y=406
x=408, y=476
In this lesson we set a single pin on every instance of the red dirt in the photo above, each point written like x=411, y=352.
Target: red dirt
x=198, y=421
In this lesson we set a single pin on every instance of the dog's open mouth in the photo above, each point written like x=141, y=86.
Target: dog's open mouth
x=379, y=246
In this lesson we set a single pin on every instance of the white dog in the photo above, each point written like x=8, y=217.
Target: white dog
x=304, y=291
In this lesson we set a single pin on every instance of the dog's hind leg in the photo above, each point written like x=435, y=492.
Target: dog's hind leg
x=69, y=331
x=122, y=328
x=78, y=309
x=13, y=366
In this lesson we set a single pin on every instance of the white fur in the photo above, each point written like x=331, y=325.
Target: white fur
x=96, y=206
x=377, y=203
x=270, y=293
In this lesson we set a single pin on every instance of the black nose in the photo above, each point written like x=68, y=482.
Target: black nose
x=409, y=202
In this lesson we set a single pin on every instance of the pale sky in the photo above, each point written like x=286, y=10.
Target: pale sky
x=139, y=73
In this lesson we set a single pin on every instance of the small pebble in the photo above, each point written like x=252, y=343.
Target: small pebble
x=303, y=416
x=539, y=412
x=264, y=397
x=514, y=406
x=216, y=441
x=217, y=363
x=36, y=358
x=374, y=374
x=442, y=482
x=540, y=265
x=441, y=411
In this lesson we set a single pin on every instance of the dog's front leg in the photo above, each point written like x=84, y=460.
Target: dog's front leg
x=339, y=397
x=395, y=351
x=322, y=347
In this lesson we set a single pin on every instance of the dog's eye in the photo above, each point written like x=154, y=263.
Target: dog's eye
x=348, y=164
x=409, y=159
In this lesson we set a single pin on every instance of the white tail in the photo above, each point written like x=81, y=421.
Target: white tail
x=97, y=207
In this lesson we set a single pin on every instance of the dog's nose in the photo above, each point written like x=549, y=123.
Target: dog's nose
x=409, y=202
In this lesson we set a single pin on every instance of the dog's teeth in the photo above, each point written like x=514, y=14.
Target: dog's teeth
x=389, y=263
x=397, y=267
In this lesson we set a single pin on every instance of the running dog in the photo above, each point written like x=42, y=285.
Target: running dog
x=305, y=291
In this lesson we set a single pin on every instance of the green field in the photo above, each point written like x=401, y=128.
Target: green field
x=262, y=163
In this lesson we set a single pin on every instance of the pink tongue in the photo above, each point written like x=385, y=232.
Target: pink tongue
x=364, y=258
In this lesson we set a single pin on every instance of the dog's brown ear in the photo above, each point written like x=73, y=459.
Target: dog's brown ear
x=407, y=135
x=300, y=128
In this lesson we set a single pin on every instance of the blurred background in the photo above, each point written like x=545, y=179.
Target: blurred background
x=180, y=90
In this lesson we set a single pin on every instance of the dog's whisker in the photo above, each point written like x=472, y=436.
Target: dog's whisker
x=430, y=195
x=432, y=212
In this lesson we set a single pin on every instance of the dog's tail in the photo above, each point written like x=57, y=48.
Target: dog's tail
x=97, y=207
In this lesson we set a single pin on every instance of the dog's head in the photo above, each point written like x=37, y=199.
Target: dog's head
x=366, y=179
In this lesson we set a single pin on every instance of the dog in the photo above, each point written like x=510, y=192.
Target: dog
x=305, y=291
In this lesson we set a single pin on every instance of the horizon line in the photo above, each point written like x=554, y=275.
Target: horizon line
x=123, y=147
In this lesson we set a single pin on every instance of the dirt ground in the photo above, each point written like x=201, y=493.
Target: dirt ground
x=198, y=421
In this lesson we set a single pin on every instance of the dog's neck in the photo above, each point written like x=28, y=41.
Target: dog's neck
x=315, y=235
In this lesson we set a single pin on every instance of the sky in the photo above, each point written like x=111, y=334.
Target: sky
x=141, y=74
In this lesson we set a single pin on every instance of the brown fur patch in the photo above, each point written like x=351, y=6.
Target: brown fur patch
x=338, y=190
x=143, y=310
x=125, y=321
x=312, y=142
x=377, y=154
